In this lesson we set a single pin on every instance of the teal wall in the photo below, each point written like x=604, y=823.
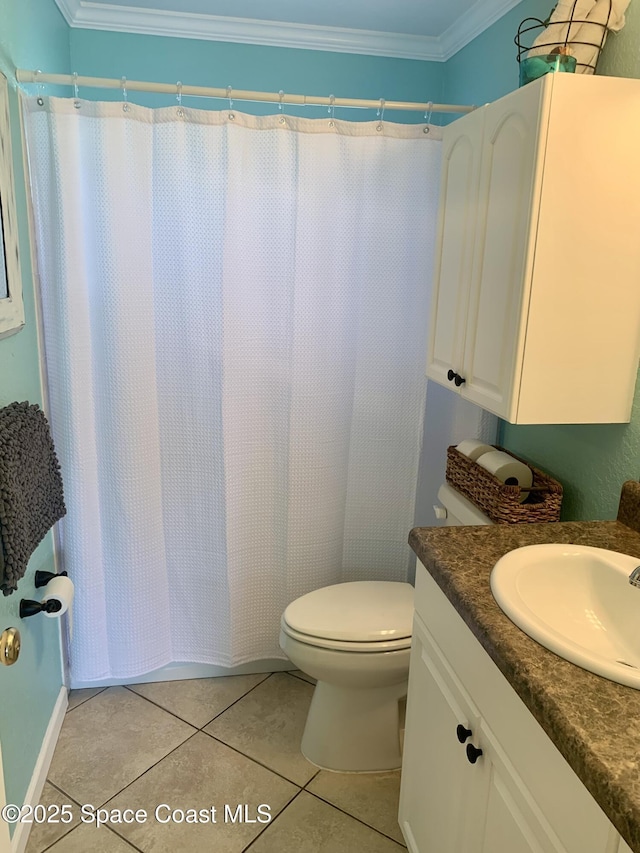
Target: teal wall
x=592, y=462
x=242, y=66
x=33, y=34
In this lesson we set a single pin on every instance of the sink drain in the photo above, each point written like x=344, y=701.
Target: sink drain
x=624, y=662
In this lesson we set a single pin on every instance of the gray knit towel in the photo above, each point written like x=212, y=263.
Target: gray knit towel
x=31, y=496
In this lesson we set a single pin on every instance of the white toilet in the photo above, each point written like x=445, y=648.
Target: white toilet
x=355, y=639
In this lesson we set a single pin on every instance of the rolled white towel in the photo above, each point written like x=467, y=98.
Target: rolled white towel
x=584, y=36
x=557, y=33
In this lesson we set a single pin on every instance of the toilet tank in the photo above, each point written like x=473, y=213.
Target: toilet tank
x=459, y=510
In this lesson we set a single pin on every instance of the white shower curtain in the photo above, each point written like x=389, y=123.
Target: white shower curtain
x=235, y=315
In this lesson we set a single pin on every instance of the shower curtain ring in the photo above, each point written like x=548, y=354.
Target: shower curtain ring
x=179, y=98
x=229, y=97
x=76, y=102
x=282, y=119
x=381, y=114
x=36, y=77
x=427, y=116
x=332, y=110
x=125, y=106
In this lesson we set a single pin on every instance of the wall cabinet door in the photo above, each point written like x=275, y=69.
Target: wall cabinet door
x=461, y=150
x=503, y=251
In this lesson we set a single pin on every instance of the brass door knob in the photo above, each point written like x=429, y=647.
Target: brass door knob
x=9, y=646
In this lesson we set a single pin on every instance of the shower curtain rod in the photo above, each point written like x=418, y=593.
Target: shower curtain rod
x=25, y=76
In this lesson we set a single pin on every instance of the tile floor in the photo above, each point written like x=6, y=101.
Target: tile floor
x=191, y=745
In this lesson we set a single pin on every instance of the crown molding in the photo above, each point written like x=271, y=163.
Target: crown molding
x=85, y=14
x=480, y=17
x=69, y=9
x=99, y=16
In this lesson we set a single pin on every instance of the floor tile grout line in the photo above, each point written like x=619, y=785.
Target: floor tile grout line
x=161, y=707
x=71, y=828
x=271, y=822
x=300, y=678
x=126, y=840
x=255, y=760
x=348, y=814
x=60, y=791
x=88, y=699
x=239, y=699
x=122, y=838
x=64, y=835
x=182, y=719
x=318, y=771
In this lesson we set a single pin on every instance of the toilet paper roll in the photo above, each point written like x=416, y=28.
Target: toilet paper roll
x=508, y=470
x=59, y=589
x=473, y=448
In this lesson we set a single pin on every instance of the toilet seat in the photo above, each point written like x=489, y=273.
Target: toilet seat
x=360, y=616
x=344, y=645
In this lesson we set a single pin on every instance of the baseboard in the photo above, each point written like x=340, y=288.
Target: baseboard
x=39, y=775
x=182, y=671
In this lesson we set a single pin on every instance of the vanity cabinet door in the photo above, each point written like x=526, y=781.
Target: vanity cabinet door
x=459, y=793
x=513, y=822
x=437, y=785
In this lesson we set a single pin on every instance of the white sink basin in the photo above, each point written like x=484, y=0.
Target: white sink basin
x=577, y=602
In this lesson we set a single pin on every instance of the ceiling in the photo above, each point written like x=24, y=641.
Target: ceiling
x=411, y=29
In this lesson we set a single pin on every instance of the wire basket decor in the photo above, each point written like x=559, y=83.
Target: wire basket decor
x=577, y=33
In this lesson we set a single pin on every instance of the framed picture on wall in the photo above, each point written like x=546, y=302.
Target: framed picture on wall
x=11, y=306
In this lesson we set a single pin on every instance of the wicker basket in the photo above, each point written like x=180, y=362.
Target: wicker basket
x=499, y=502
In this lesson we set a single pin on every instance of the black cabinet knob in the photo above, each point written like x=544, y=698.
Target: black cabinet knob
x=458, y=380
x=451, y=375
x=463, y=733
x=473, y=753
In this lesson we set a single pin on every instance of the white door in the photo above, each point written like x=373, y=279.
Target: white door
x=505, y=237
x=436, y=775
x=461, y=147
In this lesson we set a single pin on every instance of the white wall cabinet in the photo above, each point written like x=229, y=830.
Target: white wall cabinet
x=519, y=794
x=536, y=305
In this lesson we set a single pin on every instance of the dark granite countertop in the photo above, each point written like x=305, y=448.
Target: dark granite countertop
x=594, y=722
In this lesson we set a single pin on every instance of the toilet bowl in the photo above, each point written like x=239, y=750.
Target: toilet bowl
x=355, y=639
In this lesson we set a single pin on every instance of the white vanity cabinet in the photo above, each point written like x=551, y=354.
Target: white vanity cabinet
x=536, y=302
x=519, y=795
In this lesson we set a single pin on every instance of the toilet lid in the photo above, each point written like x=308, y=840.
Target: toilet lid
x=360, y=611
